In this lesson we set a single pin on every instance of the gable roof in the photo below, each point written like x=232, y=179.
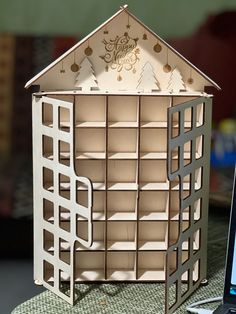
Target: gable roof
x=122, y=9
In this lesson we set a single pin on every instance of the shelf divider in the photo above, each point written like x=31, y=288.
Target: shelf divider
x=106, y=188
x=138, y=190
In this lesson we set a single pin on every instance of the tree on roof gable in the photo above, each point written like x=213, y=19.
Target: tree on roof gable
x=136, y=29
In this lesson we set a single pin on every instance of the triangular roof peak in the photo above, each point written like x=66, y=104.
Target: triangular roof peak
x=122, y=9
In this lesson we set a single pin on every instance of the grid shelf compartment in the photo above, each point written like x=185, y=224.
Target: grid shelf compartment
x=153, y=140
x=93, y=169
x=121, y=266
x=151, y=266
x=90, y=141
x=89, y=266
x=121, y=236
x=122, y=141
x=122, y=175
x=154, y=111
x=121, y=205
x=153, y=175
x=152, y=235
x=122, y=111
x=90, y=111
x=153, y=205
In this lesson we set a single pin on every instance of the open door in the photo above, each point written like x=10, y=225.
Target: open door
x=189, y=130
x=56, y=205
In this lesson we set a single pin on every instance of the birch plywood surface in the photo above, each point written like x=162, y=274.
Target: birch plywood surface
x=121, y=59
x=133, y=298
x=129, y=217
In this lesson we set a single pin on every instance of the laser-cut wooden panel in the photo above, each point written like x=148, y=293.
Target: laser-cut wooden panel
x=192, y=182
x=55, y=197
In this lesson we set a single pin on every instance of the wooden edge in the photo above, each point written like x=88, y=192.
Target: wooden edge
x=160, y=94
x=122, y=8
x=174, y=51
x=138, y=169
x=106, y=189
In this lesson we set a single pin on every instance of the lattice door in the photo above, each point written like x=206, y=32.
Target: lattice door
x=55, y=196
x=188, y=173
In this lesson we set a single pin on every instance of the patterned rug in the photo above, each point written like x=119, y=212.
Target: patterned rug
x=137, y=298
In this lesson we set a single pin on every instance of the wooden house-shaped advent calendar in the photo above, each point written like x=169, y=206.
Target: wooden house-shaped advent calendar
x=121, y=142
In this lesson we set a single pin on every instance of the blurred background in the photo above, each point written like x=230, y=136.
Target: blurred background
x=34, y=33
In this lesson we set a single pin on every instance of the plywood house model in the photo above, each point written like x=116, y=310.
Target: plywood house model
x=121, y=141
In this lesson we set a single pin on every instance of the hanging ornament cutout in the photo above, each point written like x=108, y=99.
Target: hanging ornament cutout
x=88, y=51
x=148, y=81
x=157, y=48
x=74, y=67
x=86, y=79
x=176, y=83
x=119, y=78
x=121, y=53
x=62, y=70
x=105, y=32
x=106, y=68
x=128, y=24
x=134, y=70
x=190, y=79
x=145, y=36
x=167, y=67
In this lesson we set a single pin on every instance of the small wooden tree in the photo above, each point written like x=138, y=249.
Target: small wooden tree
x=86, y=79
x=148, y=81
x=176, y=83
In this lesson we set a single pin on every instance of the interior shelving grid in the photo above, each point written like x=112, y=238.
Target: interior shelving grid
x=120, y=144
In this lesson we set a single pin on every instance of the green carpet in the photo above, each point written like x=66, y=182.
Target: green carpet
x=137, y=298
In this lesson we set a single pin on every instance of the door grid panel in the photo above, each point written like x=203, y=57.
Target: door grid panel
x=59, y=186
x=191, y=180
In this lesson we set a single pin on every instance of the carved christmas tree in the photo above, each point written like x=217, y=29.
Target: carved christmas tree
x=148, y=81
x=176, y=83
x=86, y=79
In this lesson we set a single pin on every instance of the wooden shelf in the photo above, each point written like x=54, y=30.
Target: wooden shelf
x=100, y=186
x=152, y=245
x=163, y=216
x=64, y=186
x=127, y=216
x=122, y=186
x=123, y=155
x=121, y=216
x=96, y=246
x=90, y=155
x=126, y=186
x=150, y=215
x=121, y=245
x=123, y=124
x=151, y=274
x=163, y=124
x=122, y=274
x=90, y=124
x=143, y=245
x=65, y=216
x=161, y=155
x=82, y=275
x=65, y=246
x=89, y=275
x=119, y=155
x=154, y=186
x=154, y=124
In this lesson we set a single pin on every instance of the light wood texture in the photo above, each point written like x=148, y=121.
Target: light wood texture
x=96, y=38
x=121, y=165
